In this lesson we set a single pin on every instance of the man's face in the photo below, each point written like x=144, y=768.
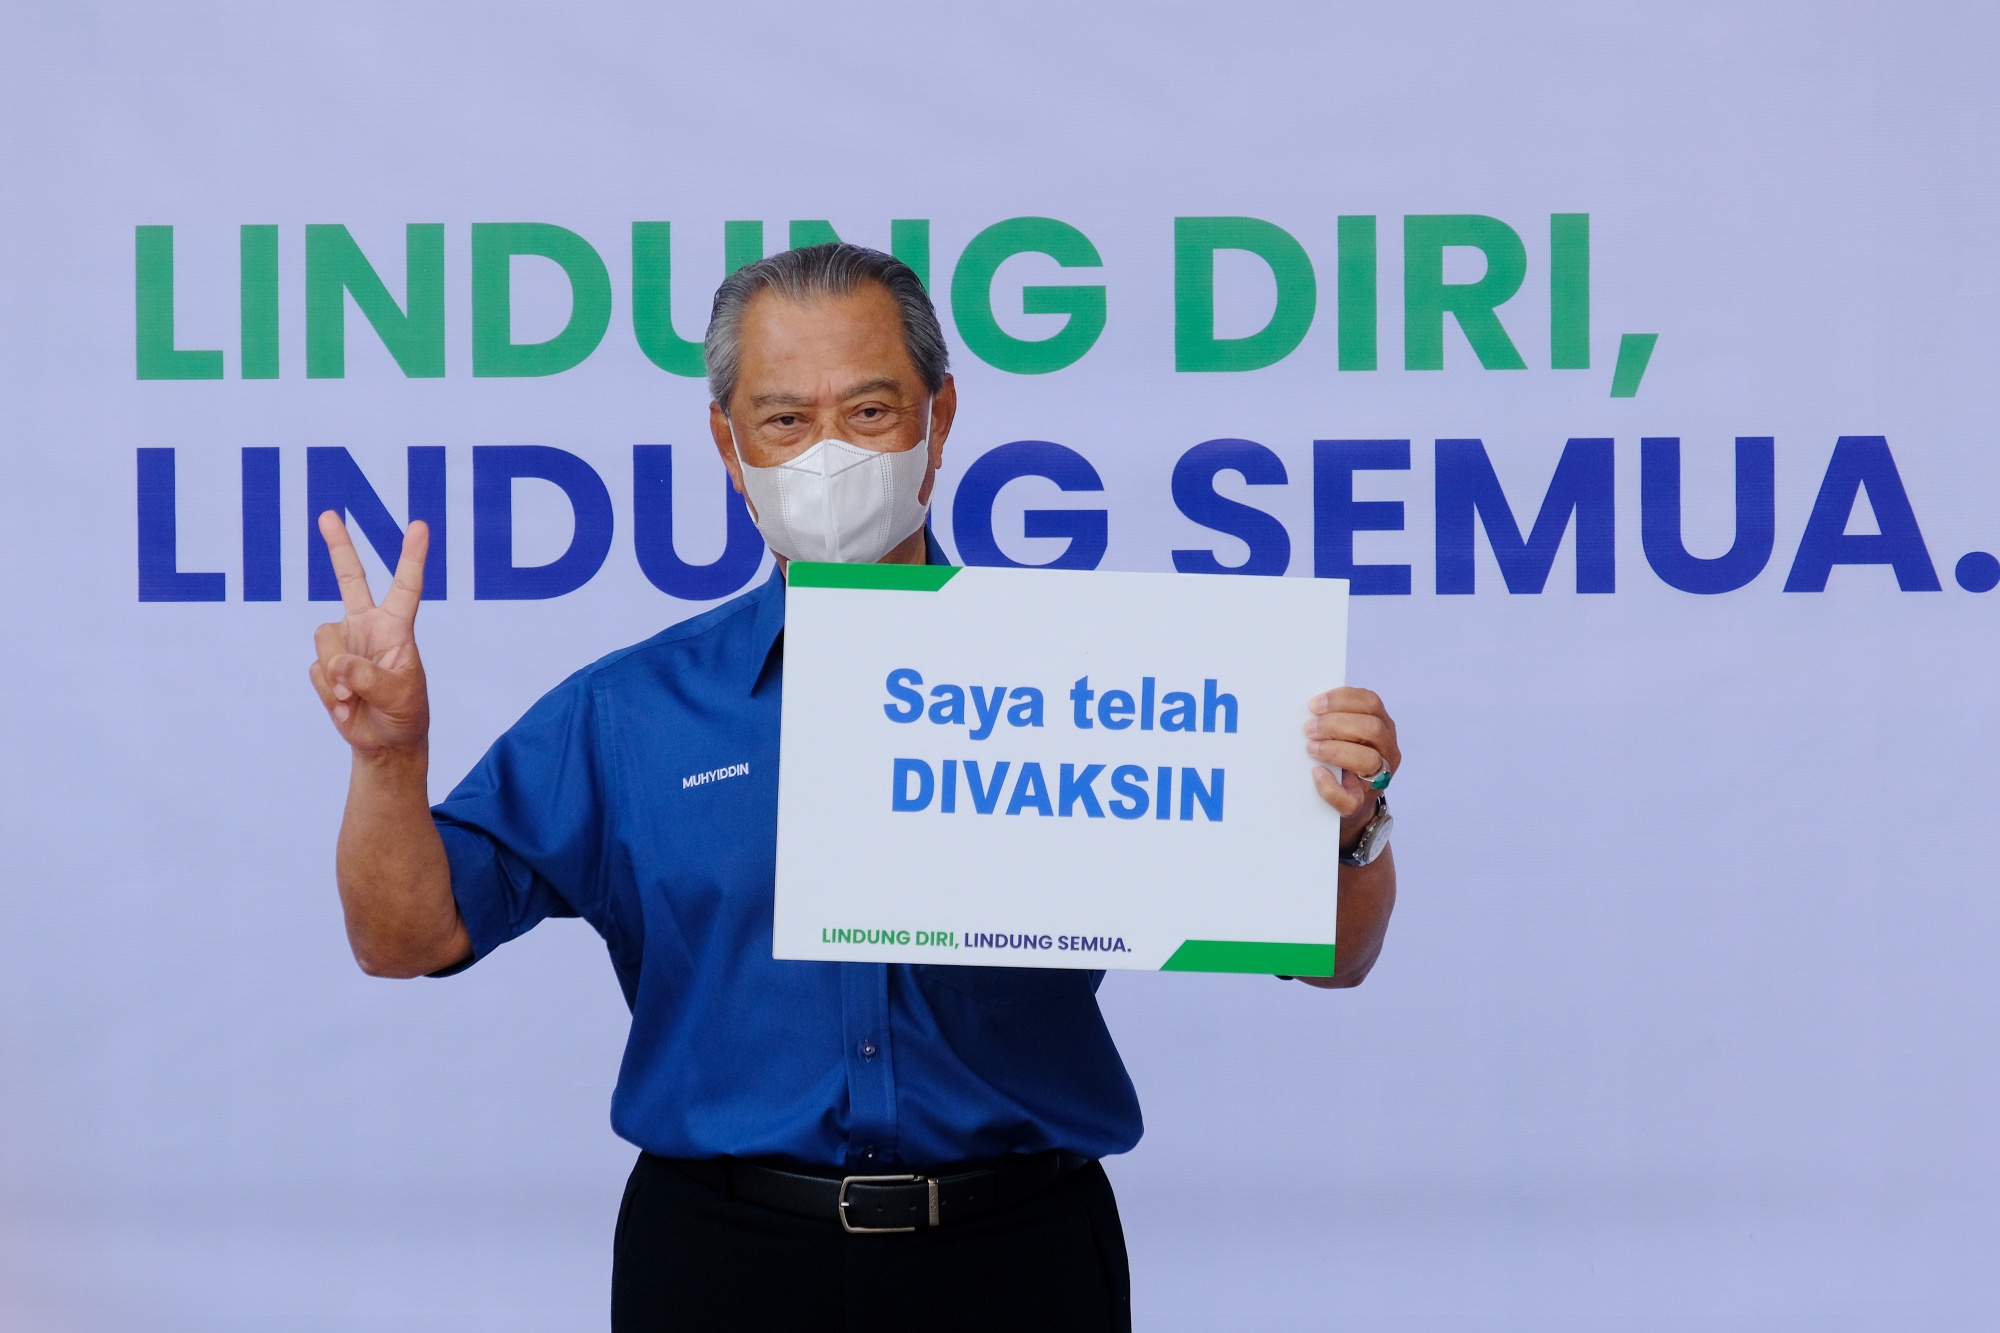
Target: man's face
x=834, y=368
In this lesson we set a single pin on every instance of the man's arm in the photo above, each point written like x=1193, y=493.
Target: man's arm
x=395, y=883
x=1351, y=731
x=1367, y=897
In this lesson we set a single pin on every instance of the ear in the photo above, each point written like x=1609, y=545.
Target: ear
x=725, y=444
x=944, y=410
x=944, y=406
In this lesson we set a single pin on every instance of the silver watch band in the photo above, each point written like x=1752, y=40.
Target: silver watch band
x=1374, y=839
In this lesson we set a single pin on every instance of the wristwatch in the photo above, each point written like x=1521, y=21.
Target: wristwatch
x=1374, y=839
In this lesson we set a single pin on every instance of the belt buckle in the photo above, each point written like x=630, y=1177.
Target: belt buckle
x=853, y=1230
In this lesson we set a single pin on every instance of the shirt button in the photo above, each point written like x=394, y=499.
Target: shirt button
x=868, y=1154
x=868, y=1050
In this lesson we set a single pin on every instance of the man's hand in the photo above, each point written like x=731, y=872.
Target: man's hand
x=1348, y=729
x=368, y=674
x=395, y=882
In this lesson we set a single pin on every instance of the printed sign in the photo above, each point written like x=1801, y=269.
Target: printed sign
x=1051, y=768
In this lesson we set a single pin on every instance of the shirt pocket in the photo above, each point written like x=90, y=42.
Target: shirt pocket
x=1007, y=985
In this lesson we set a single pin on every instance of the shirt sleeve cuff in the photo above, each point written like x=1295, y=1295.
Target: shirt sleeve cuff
x=483, y=890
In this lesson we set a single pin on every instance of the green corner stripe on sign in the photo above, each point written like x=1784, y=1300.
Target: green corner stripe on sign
x=1291, y=960
x=885, y=578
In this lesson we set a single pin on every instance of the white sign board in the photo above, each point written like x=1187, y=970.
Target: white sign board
x=1056, y=769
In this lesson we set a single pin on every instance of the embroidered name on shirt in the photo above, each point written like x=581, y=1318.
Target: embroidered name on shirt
x=715, y=775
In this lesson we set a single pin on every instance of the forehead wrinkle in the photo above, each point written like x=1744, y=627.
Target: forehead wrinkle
x=876, y=385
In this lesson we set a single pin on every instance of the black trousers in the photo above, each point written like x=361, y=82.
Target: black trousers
x=688, y=1256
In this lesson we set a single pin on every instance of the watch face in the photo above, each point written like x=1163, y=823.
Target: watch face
x=1374, y=839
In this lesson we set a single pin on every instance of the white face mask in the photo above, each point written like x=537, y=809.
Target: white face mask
x=838, y=502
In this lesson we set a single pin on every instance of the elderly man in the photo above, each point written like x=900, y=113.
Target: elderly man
x=762, y=1093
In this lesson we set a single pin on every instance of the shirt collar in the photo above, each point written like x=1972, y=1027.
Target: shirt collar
x=770, y=622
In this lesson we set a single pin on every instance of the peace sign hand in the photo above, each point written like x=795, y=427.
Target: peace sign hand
x=368, y=674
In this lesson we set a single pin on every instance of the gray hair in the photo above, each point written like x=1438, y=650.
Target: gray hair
x=811, y=273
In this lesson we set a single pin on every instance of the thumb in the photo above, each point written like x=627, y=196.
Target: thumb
x=355, y=675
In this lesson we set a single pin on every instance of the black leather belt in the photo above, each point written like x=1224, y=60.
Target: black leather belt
x=877, y=1204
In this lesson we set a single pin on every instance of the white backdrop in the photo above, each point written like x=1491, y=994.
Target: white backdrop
x=1686, y=1017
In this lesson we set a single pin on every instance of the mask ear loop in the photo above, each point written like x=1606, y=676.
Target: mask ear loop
x=741, y=462
x=930, y=473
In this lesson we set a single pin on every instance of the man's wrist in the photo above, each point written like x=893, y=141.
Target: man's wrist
x=394, y=764
x=1354, y=825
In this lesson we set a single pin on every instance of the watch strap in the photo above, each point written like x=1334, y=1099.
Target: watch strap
x=1374, y=837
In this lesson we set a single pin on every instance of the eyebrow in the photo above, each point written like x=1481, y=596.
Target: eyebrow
x=875, y=385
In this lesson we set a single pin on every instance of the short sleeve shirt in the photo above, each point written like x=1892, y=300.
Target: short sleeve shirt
x=641, y=794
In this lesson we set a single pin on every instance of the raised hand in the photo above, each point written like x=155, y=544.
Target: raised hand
x=1352, y=738
x=1351, y=731
x=368, y=673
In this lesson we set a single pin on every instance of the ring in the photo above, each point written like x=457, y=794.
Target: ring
x=1380, y=782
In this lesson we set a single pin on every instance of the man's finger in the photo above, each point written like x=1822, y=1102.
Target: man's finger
x=1348, y=699
x=407, y=589
x=330, y=642
x=359, y=676
x=1378, y=734
x=354, y=594
x=1334, y=794
x=329, y=695
x=321, y=685
x=1367, y=728
x=1359, y=760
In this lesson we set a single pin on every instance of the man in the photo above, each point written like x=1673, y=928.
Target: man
x=765, y=1095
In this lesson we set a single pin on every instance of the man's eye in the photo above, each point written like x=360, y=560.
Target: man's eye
x=786, y=421
x=870, y=413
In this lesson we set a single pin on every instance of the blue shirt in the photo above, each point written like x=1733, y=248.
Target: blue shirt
x=641, y=794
